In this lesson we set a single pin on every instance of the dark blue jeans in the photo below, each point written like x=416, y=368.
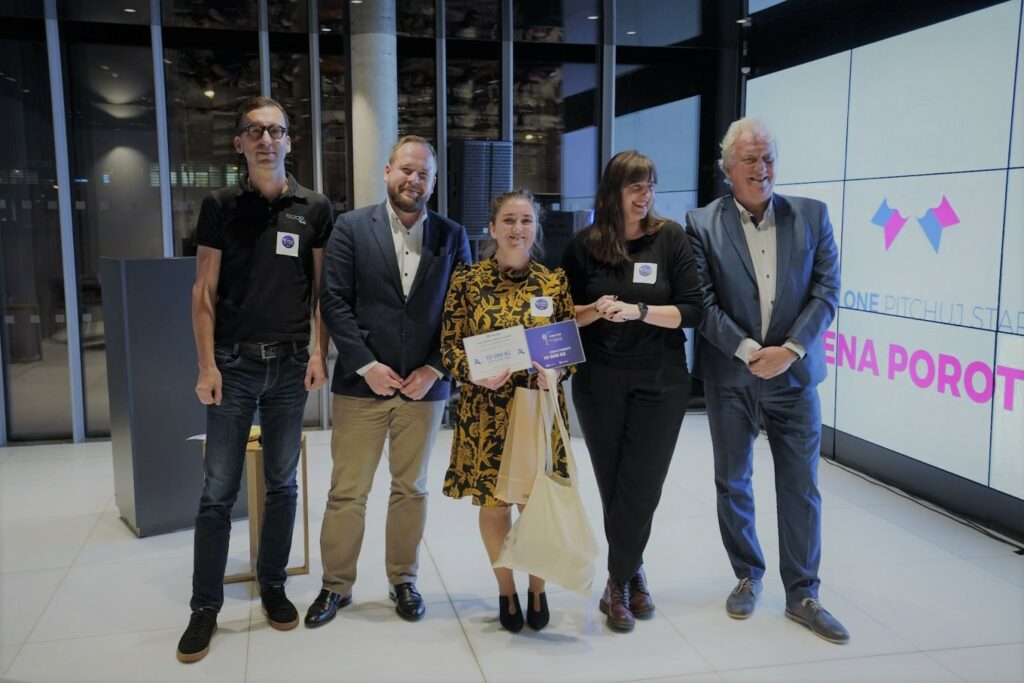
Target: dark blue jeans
x=275, y=386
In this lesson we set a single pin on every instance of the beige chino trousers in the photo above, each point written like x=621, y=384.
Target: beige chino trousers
x=361, y=426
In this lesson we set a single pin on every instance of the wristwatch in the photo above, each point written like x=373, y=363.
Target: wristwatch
x=643, y=311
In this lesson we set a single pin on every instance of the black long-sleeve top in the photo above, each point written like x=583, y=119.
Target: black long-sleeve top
x=676, y=283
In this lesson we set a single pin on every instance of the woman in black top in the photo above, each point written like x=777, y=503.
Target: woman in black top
x=636, y=278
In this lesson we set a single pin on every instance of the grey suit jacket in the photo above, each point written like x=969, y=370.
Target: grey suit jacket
x=806, y=296
x=363, y=304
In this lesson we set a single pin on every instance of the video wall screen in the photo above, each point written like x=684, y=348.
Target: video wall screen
x=916, y=144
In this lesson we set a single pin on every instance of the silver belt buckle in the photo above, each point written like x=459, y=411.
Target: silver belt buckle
x=263, y=351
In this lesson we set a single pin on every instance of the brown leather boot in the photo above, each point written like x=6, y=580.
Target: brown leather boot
x=615, y=603
x=640, y=603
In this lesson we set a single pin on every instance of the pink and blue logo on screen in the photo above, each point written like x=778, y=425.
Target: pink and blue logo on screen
x=933, y=222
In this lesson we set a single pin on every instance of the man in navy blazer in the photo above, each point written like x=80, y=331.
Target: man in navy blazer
x=385, y=277
x=770, y=276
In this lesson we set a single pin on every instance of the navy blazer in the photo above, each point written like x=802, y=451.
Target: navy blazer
x=363, y=305
x=806, y=295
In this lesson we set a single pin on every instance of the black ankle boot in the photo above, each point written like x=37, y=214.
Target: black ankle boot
x=537, y=619
x=510, y=622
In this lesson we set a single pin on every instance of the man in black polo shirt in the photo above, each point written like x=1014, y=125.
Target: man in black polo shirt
x=260, y=250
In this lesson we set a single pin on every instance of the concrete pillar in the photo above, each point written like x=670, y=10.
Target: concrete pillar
x=374, y=97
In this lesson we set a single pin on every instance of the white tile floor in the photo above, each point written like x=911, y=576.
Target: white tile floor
x=925, y=598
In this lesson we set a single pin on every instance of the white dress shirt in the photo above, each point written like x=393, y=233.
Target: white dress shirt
x=763, y=245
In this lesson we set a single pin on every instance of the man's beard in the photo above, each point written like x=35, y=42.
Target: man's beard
x=400, y=201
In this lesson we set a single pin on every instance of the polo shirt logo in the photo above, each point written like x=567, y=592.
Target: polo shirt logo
x=301, y=220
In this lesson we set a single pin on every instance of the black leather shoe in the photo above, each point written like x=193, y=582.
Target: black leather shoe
x=537, y=619
x=510, y=622
x=325, y=607
x=408, y=601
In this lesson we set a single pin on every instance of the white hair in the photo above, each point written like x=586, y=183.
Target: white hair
x=747, y=125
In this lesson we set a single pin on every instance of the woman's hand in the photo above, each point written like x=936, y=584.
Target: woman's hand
x=494, y=381
x=616, y=311
x=542, y=376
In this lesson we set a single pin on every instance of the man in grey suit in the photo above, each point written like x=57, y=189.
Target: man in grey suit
x=385, y=277
x=770, y=276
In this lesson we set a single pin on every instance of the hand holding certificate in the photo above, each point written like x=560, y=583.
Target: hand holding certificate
x=515, y=348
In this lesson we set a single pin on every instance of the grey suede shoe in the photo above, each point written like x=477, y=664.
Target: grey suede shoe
x=811, y=614
x=740, y=603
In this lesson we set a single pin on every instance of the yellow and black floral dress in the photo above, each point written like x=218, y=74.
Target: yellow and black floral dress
x=483, y=298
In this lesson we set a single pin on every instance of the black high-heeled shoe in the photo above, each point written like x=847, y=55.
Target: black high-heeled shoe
x=510, y=622
x=537, y=619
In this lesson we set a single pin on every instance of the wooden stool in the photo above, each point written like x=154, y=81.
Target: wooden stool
x=256, y=487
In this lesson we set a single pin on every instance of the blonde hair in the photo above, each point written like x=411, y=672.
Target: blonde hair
x=747, y=125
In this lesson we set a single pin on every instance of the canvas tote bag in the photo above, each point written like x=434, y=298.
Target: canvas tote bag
x=527, y=427
x=552, y=538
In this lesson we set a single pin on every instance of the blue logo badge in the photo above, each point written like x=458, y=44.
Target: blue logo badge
x=645, y=270
x=288, y=241
x=542, y=304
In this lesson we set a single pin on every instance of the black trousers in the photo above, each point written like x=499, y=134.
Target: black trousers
x=630, y=419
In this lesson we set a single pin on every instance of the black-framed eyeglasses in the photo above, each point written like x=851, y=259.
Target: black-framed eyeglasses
x=255, y=132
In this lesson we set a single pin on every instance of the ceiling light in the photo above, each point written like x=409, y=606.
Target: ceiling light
x=630, y=33
x=325, y=29
x=209, y=93
x=593, y=17
x=529, y=136
x=129, y=10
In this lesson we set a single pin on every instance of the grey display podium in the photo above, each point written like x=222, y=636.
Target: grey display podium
x=151, y=374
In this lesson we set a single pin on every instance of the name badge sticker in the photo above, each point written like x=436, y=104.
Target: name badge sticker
x=287, y=244
x=541, y=306
x=645, y=273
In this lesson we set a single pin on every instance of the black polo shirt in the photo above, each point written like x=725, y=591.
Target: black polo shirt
x=266, y=269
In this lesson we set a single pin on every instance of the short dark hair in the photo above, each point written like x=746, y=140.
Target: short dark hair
x=411, y=138
x=259, y=102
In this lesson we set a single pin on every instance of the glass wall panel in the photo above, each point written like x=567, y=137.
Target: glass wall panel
x=417, y=90
x=120, y=12
x=116, y=196
x=31, y=9
x=34, y=338
x=227, y=14
x=550, y=101
x=415, y=18
x=332, y=16
x=474, y=92
x=204, y=89
x=561, y=21
x=334, y=133
x=476, y=19
x=288, y=15
x=656, y=22
x=555, y=155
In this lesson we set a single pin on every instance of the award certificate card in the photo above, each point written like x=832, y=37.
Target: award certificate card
x=492, y=352
x=556, y=345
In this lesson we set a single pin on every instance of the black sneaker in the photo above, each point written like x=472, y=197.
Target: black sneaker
x=281, y=613
x=195, y=642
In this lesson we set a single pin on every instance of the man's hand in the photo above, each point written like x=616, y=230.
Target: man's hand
x=418, y=383
x=494, y=381
x=208, y=386
x=771, y=361
x=383, y=380
x=316, y=372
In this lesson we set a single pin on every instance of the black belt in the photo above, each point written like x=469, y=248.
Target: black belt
x=268, y=351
